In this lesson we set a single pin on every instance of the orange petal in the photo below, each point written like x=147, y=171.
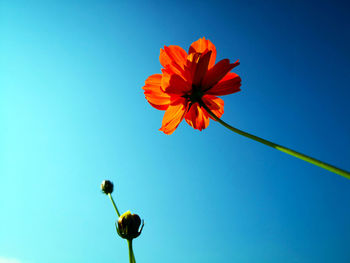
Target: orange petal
x=203, y=45
x=197, y=117
x=231, y=83
x=173, y=58
x=215, y=104
x=174, y=84
x=174, y=115
x=201, y=69
x=216, y=73
x=154, y=94
x=191, y=64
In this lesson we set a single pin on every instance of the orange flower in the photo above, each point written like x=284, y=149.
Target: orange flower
x=187, y=82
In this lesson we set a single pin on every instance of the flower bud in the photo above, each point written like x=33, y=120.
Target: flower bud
x=107, y=187
x=128, y=225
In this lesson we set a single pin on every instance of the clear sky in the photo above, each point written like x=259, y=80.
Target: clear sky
x=72, y=113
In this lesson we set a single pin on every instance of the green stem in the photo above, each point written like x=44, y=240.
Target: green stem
x=115, y=207
x=131, y=252
x=279, y=147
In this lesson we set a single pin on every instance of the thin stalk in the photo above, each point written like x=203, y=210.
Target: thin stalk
x=131, y=252
x=281, y=148
x=115, y=207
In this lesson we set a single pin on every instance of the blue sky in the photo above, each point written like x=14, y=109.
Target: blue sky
x=73, y=113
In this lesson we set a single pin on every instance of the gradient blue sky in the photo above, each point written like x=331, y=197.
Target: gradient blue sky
x=72, y=113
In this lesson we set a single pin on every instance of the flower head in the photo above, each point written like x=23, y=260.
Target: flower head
x=107, y=187
x=188, y=81
x=128, y=225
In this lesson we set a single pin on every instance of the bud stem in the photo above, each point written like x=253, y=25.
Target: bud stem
x=281, y=148
x=131, y=252
x=115, y=207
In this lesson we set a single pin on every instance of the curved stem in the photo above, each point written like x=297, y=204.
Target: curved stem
x=279, y=147
x=115, y=207
x=131, y=252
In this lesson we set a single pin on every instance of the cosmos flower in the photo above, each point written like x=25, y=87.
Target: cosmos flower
x=188, y=81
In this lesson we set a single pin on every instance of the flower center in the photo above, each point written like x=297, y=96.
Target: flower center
x=195, y=95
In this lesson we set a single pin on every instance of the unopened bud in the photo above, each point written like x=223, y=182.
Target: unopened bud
x=128, y=225
x=107, y=187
